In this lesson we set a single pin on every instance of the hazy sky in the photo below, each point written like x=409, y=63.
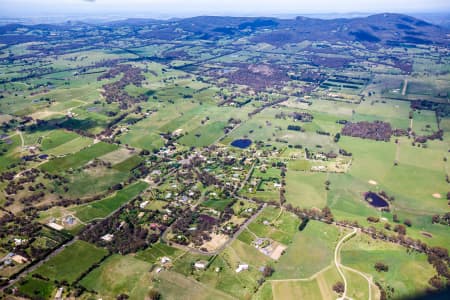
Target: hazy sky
x=130, y=8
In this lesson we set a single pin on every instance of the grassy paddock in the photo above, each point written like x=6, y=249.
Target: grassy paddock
x=78, y=159
x=120, y=274
x=104, y=207
x=71, y=262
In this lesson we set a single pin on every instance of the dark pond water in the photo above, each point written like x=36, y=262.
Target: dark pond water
x=241, y=143
x=375, y=200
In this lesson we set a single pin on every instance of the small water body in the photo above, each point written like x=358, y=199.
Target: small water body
x=375, y=200
x=241, y=143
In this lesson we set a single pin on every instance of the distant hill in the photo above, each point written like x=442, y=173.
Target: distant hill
x=374, y=30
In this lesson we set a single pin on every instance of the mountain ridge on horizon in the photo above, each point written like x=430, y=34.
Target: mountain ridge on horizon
x=375, y=30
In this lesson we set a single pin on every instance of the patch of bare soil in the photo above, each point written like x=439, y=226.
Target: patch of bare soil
x=217, y=240
x=276, y=253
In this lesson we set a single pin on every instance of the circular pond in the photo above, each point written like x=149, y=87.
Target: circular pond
x=241, y=143
x=375, y=200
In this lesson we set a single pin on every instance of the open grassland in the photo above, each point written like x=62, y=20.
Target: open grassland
x=271, y=130
x=358, y=286
x=218, y=205
x=281, y=226
x=239, y=285
x=78, y=159
x=80, y=184
x=70, y=264
x=128, y=164
x=306, y=189
x=71, y=146
x=56, y=138
x=104, y=207
x=118, y=156
x=175, y=286
x=311, y=250
x=157, y=251
x=413, y=181
x=394, y=112
x=33, y=287
x=11, y=151
x=408, y=273
x=264, y=292
x=296, y=290
x=118, y=275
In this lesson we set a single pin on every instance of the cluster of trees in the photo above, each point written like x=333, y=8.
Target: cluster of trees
x=438, y=135
x=321, y=132
x=339, y=287
x=204, y=225
x=442, y=219
x=115, y=92
x=129, y=235
x=377, y=130
x=294, y=127
x=310, y=76
x=323, y=215
x=438, y=257
x=345, y=152
x=381, y=267
x=265, y=105
x=259, y=78
x=302, y=116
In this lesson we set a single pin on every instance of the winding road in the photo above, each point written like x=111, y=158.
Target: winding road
x=337, y=261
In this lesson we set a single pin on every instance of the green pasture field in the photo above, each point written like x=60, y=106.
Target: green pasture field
x=33, y=287
x=78, y=159
x=157, y=251
x=311, y=251
x=294, y=290
x=104, y=207
x=70, y=264
x=408, y=273
x=81, y=181
x=394, y=112
x=264, y=292
x=281, y=228
x=71, y=146
x=185, y=262
x=11, y=154
x=128, y=164
x=239, y=285
x=424, y=122
x=120, y=274
x=175, y=286
x=358, y=287
x=306, y=190
x=319, y=286
x=217, y=204
x=117, y=156
x=57, y=138
x=277, y=134
x=412, y=182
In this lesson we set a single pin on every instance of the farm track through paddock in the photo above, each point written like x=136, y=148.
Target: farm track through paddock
x=337, y=260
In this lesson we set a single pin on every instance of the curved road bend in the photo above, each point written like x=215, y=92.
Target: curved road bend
x=337, y=261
